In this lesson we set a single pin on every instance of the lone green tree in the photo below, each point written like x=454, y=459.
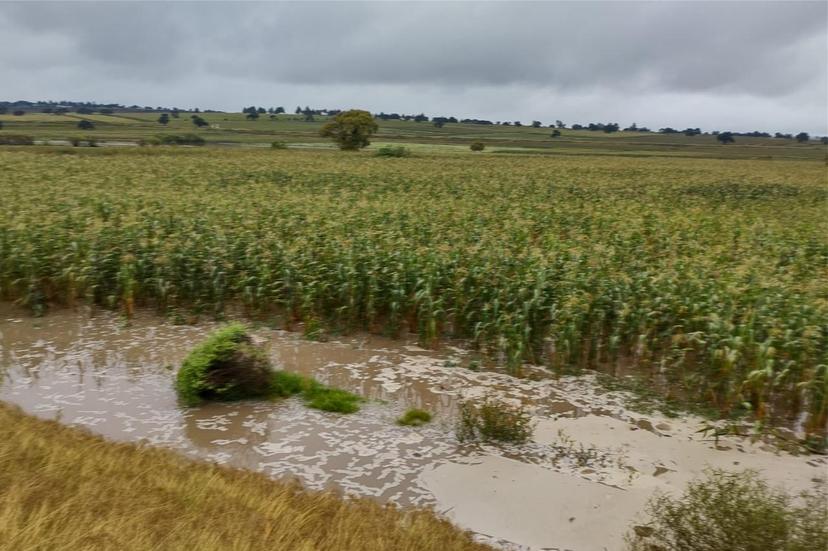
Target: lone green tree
x=86, y=125
x=351, y=129
x=164, y=119
x=803, y=137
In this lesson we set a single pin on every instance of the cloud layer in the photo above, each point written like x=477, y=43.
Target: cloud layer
x=735, y=65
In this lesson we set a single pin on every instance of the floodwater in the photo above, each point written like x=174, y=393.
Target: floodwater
x=578, y=485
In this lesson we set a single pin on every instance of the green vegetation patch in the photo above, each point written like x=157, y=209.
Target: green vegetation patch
x=315, y=394
x=494, y=421
x=414, y=418
x=390, y=151
x=226, y=366
x=733, y=512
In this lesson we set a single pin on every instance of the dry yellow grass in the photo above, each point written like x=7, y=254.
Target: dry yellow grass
x=62, y=488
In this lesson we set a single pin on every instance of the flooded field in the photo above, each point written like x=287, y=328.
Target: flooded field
x=578, y=485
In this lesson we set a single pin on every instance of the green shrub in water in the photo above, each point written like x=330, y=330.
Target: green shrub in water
x=494, y=421
x=319, y=396
x=315, y=394
x=414, y=418
x=226, y=366
x=733, y=512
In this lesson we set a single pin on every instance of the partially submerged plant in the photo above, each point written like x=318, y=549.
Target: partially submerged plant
x=414, y=417
x=226, y=366
x=494, y=421
x=733, y=512
x=315, y=394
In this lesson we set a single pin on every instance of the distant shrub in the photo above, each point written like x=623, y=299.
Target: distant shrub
x=414, y=418
x=152, y=140
x=278, y=144
x=477, y=146
x=491, y=420
x=732, y=512
x=88, y=141
x=16, y=139
x=555, y=133
x=181, y=139
x=389, y=151
x=86, y=125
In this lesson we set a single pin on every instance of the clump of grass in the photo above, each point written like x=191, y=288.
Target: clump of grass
x=733, y=512
x=315, y=394
x=414, y=417
x=477, y=146
x=285, y=383
x=389, y=151
x=319, y=396
x=226, y=366
x=494, y=421
x=63, y=489
x=278, y=144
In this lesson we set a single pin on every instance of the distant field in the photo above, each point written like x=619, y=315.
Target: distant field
x=707, y=276
x=234, y=128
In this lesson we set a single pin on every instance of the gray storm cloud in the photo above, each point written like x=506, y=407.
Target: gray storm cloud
x=738, y=65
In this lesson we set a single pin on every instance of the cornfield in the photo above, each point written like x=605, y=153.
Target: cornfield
x=710, y=275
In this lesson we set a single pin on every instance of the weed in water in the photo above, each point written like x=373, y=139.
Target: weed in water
x=494, y=421
x=315, y=394
x=337, y=400
x=414, y=418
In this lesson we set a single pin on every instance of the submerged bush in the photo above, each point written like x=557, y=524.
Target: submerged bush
x=389, y=151
x=492, y=420
x=414, y=418
x=733, y=512
x=226, y=366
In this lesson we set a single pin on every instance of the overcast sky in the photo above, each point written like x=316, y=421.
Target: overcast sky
x=717, y=65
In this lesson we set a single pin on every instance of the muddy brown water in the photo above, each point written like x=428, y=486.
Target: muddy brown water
x=116, y=379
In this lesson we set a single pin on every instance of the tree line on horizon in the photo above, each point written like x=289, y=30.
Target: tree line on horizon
x=255, y=112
